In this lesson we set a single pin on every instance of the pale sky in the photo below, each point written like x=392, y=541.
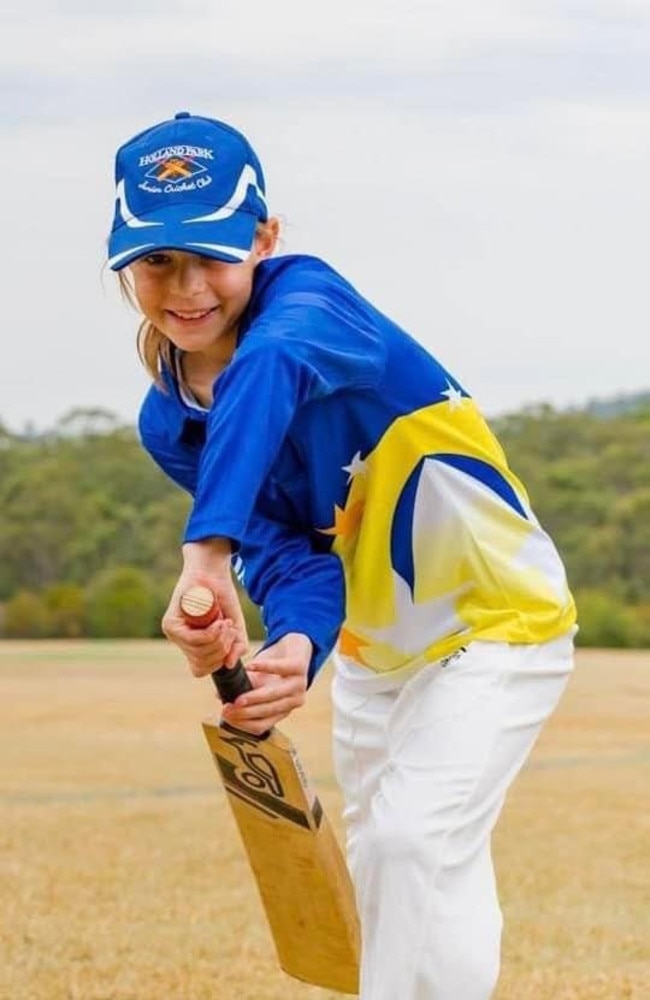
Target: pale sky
x=479, y=169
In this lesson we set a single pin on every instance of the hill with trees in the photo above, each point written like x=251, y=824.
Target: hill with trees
x=90, y=528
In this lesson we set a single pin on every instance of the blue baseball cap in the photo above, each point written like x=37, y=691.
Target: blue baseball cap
x=192, y=184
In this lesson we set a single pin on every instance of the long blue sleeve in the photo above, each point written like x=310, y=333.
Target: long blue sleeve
x=297, y=588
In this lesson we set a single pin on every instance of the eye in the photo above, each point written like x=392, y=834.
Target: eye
x=156, y=259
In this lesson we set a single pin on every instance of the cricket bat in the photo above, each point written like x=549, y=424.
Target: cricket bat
x=298, y=865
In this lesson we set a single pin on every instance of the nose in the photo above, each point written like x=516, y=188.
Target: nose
x=188, y=277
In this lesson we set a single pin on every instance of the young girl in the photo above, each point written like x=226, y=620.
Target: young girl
x=370, y=512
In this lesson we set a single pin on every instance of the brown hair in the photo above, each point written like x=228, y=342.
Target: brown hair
x=155, y=350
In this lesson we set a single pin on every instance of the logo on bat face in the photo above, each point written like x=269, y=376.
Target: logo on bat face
x=255, y=780
x=257, y=773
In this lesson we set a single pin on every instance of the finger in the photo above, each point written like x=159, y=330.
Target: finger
x=204, y=667
x=282, y=666
x=220, y=633
x=207, y=657
x=268, y=694
x=277, y=707
x=201, y=666
x=220, y=640
x=236, y=652
x=177, y=626
x=259, y=723
x=229, y=605
x=257, y=728
x=271, y=695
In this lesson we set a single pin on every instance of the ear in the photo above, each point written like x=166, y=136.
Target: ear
x=266, y=238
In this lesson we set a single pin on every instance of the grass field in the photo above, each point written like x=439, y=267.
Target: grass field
x=122, y=876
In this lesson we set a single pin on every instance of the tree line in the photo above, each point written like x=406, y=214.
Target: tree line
x=90, y=529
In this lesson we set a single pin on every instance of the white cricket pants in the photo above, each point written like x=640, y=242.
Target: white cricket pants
x=424, y=767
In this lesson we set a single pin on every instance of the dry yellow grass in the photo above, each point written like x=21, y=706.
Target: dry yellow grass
x=122, y=877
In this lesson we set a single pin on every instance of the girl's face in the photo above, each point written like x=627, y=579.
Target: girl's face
x=196, y=301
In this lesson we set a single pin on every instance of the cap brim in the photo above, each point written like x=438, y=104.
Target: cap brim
x=229, y=240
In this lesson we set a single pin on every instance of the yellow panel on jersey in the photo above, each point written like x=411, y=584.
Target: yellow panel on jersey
x=439, y=545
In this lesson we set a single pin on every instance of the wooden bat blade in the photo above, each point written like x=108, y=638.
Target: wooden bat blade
x=298, y=865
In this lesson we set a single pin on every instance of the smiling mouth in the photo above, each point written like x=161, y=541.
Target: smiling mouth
x=195, y=314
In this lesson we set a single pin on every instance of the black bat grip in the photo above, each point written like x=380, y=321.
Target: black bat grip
x=230, y=682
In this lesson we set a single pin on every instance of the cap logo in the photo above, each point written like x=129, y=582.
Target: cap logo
x=175, y=168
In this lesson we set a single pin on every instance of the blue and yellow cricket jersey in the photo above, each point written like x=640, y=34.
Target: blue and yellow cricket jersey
x=366, y=498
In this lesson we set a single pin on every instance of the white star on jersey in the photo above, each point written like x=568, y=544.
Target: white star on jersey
x=454, y=396
x=356, y=467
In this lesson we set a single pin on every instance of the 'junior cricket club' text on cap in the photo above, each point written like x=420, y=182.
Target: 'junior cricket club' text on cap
x=192, y=184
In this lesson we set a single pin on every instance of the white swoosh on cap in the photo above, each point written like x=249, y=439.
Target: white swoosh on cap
x=131, y=220
x=127, y=253
x=246, y=178
x=232, y=251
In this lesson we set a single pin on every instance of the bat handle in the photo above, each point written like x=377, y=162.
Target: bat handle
x=230, y=682
x=199, y=608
